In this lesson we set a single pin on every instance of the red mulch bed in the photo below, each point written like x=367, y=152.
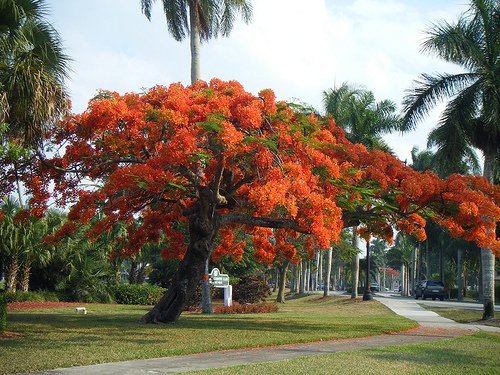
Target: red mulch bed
x=10, y=335
x=40, y=305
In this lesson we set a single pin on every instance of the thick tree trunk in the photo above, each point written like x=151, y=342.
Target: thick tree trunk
x=328, y=269
x=23, y=278
x=11, y=271
x=355, y=264
x=195, y=43
x=460, y=296
x=281, y=282
x=203, y=227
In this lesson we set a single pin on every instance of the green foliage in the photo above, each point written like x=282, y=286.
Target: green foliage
x=472, y=115
x=138, y=294
x=363, y=118
x=32, y=70
x=39, y=296
x=3, y=313
x=251, y=289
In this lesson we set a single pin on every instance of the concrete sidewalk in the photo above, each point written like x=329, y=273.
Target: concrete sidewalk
x=432, y=327
x=212, y=360
x=411, y=309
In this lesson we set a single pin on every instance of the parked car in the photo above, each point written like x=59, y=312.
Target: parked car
x=374, y=287
x=430, y=289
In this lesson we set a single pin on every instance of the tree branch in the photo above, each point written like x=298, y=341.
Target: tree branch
x=261, y=222
x=217, y=181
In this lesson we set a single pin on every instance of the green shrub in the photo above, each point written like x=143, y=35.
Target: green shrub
x=251, y=289
x=39, y=296
x=3, y=313
x=138, y=294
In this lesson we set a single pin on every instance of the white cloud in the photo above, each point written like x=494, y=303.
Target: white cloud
x=295, y=47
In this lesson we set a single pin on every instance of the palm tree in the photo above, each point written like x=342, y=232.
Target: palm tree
x=363, y=118
x=202, y=20
x=400, y=256
x=32, y=70
x=472, y=115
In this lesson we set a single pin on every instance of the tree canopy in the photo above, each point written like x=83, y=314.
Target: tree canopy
x=186, y=164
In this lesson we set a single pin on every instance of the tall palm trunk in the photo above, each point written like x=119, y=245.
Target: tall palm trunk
x=428, y=271
x=23, y=278
x=206, y=298
x=328, y=270
x=282, y=281
x=487, y=256
x=276, y=278
x=195, y=42
x=459, y=275
x=11, y=272
x=320, y=269
x=413, y=270
x=355, y=264
x=402, y=286
x=315, y=274
x=302, y=286
x=141, y=274
x=134, y=272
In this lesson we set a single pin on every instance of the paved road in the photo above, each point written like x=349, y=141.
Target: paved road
x=432, y=328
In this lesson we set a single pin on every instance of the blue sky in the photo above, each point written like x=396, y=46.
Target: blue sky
x=297, y=48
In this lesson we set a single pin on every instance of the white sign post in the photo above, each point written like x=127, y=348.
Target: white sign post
x=220, y=280
x=228, y=295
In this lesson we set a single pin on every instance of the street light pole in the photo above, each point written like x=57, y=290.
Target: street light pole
x=367, y=295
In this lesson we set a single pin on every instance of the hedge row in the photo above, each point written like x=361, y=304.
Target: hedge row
x=39, y=296
x=248, y=289
x=138, y=294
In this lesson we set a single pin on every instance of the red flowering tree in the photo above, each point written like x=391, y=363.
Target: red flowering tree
x=193, y=163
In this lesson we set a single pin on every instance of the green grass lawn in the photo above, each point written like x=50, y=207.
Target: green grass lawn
x=60, y=338
x=464, y=316
x=476, y=354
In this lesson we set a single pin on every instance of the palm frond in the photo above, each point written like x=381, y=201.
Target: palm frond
x=428, y=90
x=228, y=10
x=459, y=44
x=452, y=136
x=176, y=15
x=146, y=6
